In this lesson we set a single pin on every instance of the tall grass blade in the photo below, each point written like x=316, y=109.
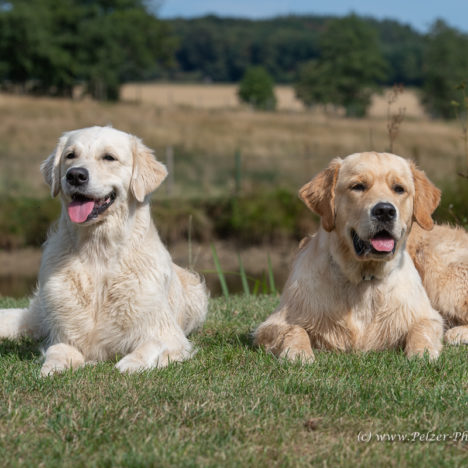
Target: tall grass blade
x=271, y=277
x=238, y=171
x=243, y=275
x=256, y=287
x=264, y=283
x=219, y=270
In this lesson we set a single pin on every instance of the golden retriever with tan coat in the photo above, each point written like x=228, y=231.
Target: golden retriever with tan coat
x=441, y=258
x=353, y=285
x=107, y=286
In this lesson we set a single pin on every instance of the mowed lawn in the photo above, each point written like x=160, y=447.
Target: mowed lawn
x=234, y=405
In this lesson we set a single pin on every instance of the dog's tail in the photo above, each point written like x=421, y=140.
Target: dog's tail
x=17, y=323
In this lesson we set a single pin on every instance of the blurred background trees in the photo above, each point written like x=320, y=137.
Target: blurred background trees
x=349, y=69
x=446, y=66
x=92, y=47
x=49, y=47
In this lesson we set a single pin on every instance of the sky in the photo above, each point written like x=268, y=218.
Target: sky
x=418, y=13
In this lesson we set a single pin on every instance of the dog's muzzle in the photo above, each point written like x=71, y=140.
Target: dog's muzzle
x=382, y=242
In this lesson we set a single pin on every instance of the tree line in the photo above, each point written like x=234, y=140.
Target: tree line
x=338, y=61
x=221, y=49
x=50, y=47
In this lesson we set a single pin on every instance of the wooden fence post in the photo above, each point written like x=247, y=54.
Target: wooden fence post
x=170, y=170
x=238, y=171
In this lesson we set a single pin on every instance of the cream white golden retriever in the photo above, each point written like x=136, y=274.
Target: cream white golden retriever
x=107, y=286
x=353, y=285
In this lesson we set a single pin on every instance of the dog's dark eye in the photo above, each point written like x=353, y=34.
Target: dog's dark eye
x=71, y=155
x=358, y=187
x=399, y=189
x=108, y=157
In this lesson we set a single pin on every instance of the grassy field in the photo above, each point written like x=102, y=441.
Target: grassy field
x=233, y=405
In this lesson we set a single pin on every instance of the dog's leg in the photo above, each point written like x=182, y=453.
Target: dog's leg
x=157, y=353
x=285, y=341
x=59, y=357
x=17, y=323
x=448, y=292
x=425, y=335
x=457, y=335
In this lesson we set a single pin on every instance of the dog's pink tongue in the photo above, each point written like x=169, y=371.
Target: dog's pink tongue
x=80, y=210
x=383, y=244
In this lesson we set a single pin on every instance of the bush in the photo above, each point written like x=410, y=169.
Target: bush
x=453, y=207
x=257, y=89
x=251, y=219
x=272, y=216
x=264, y=217
x=26, y=221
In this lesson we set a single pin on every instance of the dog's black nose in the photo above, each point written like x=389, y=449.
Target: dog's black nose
x=384, y=211
x=77, y=176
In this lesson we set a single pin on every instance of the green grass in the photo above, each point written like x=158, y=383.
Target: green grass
x=233, y=405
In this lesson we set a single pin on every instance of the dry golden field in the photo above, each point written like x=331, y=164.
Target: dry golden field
x=224, y=96
x=282, y=148
x=200, y=96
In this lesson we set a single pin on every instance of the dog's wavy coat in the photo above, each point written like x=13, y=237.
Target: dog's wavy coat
x=353, y=285
x=441, y=258
x=107, y=286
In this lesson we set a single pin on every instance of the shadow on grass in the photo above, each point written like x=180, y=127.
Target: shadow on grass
x=245, y=339
x=24, y=350
x=215, y=337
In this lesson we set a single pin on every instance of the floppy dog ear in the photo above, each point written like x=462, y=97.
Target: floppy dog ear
x=319, y=194
x=426, y=198
x=148, y=173
x=50, y=168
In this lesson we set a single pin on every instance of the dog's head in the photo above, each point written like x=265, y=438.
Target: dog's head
x=371, y=200
x=95, y=169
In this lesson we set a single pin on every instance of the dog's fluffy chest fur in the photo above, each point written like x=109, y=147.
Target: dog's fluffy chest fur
x=104, y=304
x=352, y=316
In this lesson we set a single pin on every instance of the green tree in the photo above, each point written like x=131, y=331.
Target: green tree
x=119, y=43
x=48, y=46
x=32, y=50
x=446, y=66
x=348, y=70
x=257, y=89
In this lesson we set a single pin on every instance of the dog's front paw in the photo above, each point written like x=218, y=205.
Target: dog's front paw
x=59, y=357
x=432, y=353
x=53, y=367
x=131, y=363
x=305, y=356
x=150, y=357
x=457, y=335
